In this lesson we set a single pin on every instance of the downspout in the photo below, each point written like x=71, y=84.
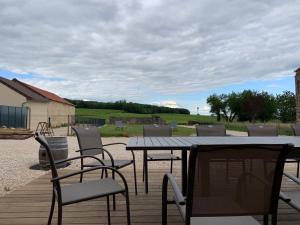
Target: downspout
x=28, y=116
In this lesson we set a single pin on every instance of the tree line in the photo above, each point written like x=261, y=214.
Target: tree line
x=253, y=106
x=130, y=107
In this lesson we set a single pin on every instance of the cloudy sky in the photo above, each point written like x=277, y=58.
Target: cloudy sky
x=167, y=52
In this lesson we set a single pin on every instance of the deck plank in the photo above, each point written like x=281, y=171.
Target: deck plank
x=29, y=205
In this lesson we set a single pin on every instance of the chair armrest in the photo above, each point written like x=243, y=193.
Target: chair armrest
x=87, y=149
x=89, y=170
x=77, y=173
x=284, y=198
x=178, y=194
x=117, y=143
x=293, y=178
x=79, y=157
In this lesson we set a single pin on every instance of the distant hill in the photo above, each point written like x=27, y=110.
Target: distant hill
x=130, y=107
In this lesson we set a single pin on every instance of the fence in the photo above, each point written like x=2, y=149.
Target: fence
x=62, y=124
x=11, y=116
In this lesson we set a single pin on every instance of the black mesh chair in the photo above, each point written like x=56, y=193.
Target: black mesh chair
x=157, y=131
x=262, y=130
x=296, y=131
x=79, y=192
x=211, y=130
x=90, y=143
x=212, y=200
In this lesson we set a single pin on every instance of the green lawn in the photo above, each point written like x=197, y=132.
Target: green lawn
x=136, y=130
x=168, y=117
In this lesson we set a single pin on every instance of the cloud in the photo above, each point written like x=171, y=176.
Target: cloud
x=168, y=103
x=111, y=50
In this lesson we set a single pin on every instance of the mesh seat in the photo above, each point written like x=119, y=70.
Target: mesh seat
x=117, y=163
x=252, y=189
x=162, y=157
x=83, y=191
x=228, y=220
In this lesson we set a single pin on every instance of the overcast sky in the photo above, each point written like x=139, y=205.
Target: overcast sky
x=158, y=51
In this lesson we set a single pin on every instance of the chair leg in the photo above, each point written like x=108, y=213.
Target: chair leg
x=51, y=209
x=128, y=208
x=146, y=171
x=298, y=169
x=274, y=219
x=134, y=175
x=266, y=219
x=114, y=196
x=81, y=175
x=164, y=202
x=171, y=169
x=59, y=216
x=108, y=210
x=227, y=170
x=143, y=172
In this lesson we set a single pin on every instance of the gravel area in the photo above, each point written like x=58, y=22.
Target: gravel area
x=17, y=156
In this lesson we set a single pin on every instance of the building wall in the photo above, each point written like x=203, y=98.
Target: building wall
x=37, y=112
x=10, y=97
x=59, y=113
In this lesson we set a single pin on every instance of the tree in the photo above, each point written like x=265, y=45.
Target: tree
x=216, y=104
x=257, y=106
x=286, y=106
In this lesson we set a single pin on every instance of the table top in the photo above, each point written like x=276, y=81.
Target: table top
x=185, y=143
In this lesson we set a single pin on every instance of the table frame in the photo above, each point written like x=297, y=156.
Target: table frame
x=184, y=144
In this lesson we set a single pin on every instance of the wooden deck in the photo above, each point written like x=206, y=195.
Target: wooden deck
x=30, y=204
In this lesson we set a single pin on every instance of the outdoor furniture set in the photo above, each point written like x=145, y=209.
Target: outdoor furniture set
x=226, y=180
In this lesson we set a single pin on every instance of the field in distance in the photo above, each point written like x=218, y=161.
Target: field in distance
x=110, y=130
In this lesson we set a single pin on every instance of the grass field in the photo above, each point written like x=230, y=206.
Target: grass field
x=168, y=117
x=136, y=130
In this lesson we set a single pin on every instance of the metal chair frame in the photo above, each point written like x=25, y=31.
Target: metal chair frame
x=187, y=201
x=57, y=191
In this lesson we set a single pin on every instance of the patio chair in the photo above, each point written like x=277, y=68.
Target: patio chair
x=211, y=200
x=211, y=130
x=269, y=130
x=158, y=131
x=292, y=197
x=296, y=131
x=90, y=143
x=120, y=124
x=261, y=130
x=78, y=192
x=173, y=125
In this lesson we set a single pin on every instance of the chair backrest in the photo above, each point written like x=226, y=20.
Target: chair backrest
x=43, y=141
x=157, y=131
x=89, y=138
x=173, y=124
x=296, y=129
x=119, y=124
x=262, y=130
x=211, y=130
x=251, y=188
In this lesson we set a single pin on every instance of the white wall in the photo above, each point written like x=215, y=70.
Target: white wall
x=10, y=97
x=38, y=113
